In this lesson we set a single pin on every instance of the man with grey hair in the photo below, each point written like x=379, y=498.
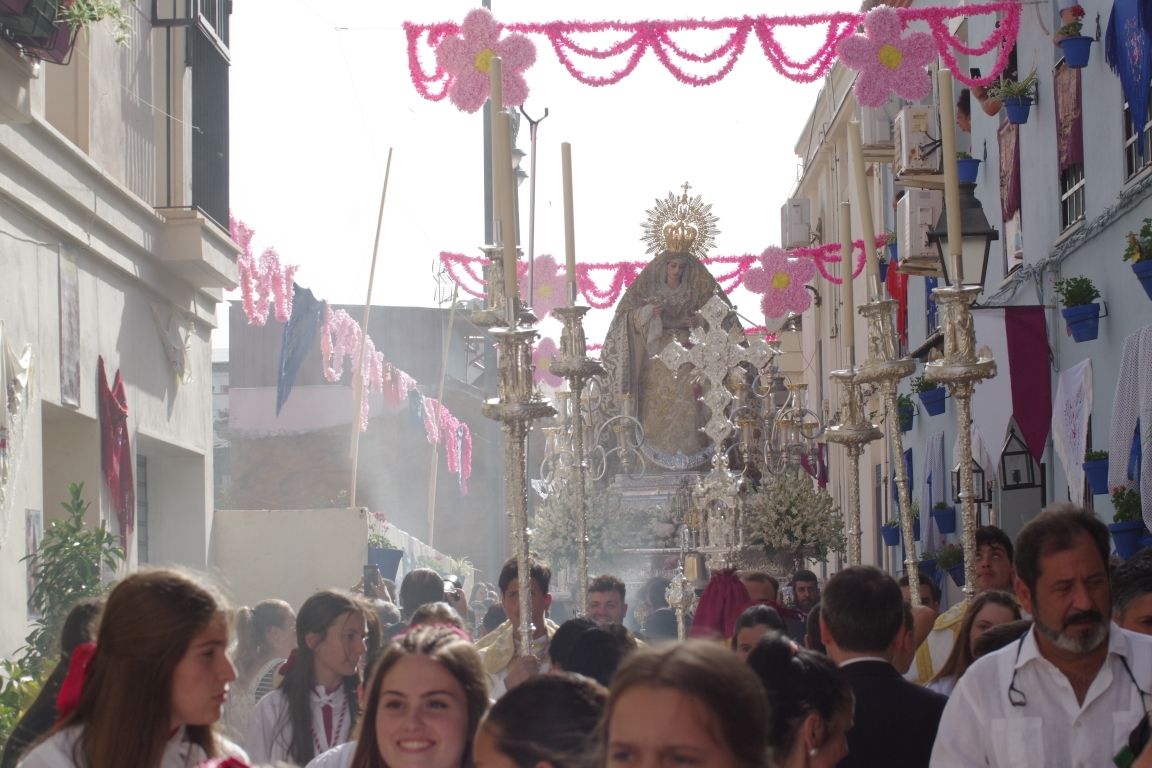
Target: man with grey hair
x=1132, y=593
x=1070, y=690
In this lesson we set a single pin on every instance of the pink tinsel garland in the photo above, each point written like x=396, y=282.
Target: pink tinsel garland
x=440, y=424
x=466, y=271
x=267, y=278
x=636, y=38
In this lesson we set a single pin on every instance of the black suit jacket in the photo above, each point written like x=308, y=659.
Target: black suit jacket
x=895, y=721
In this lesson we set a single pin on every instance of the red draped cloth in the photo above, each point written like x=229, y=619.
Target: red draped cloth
x=722, y=602
x=1069, y=117
x=115, y=451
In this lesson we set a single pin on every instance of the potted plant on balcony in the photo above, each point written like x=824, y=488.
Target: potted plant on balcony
x=890, y=533
x=1081, y=312
x=1016, y=96
x=905, y=410
x=931, y=394
x=945, y=516
x=47, y=29
x=927, y=566
x=967, y=168
x=1128, y=523
x=950, y=557
x=1075, y=46
x=1096, y=470
x=1139, y=252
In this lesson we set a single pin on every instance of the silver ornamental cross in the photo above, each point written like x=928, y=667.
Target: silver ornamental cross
x=714, y=354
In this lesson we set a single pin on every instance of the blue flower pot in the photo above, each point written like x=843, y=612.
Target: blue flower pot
x=957, y=573
x=1017, y=109
x=1143, y=271
x=945, y=519
x=967, y=169
x=916, y=529
x=905, y=413
x=927, y=568
x=387, y=560
x=1083, y=321
x=1076, y=51
x=891, y=535
x=933, y=400
x=1126, y=537
x=1097, y=474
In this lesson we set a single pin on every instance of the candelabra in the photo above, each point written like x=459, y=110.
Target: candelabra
x=885, y=368
x=516, y=407
x=681, y=595
x=960, y=369
x=853, y=432
x=574, y=365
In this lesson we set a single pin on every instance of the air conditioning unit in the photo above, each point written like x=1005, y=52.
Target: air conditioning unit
x=916, y=213
x=914, y=134
x=796, y=223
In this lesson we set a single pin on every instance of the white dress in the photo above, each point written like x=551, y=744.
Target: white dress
x=57, y=751
x=270, y=731
x=337, y=757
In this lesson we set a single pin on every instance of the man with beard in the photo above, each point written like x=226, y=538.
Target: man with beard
x=1069, y=691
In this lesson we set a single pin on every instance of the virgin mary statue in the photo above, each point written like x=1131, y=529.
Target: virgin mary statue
x=658, y=308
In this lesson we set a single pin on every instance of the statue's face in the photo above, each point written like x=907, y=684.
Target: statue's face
x=674, y=270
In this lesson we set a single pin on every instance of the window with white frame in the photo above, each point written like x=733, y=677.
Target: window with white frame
x=1071, y=195
x=1136, y=160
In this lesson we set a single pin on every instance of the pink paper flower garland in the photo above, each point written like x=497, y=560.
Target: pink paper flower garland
x=466, y=60
x=549, y=284
x=267, y=279
x=781, y=280
x=339, y=339
x=888, y=62
x=440, y=424
x=634, y=39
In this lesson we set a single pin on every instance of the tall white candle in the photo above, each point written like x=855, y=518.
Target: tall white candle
x=847, y=296
x=569, y=222
x=951, y=182
x=502, y=168
x=863, y=205
x=496, y=89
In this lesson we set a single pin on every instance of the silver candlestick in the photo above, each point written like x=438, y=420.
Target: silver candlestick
x=885, y=368
x=853, y=432
x=574, y=365
x=516, y=407
x=961, y=368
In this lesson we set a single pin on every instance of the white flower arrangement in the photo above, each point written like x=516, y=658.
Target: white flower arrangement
x=789, y=516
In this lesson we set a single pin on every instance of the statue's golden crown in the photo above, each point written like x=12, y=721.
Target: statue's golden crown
x=679, y=236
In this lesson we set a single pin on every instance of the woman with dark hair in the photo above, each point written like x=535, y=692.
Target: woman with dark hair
x=315, y=708
x=265, y=635
x=548, y=720
x=691, y=702
x=988, y=609
x=809, y=700
x=423, y=705
x=755, y=622
x=159, y=673
x=38, y=719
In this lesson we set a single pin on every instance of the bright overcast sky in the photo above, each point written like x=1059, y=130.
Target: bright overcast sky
x=320, y=91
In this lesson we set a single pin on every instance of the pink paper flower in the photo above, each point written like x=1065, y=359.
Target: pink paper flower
x=468, y=59
x=542, y=355
x=781, y=280
x=548, y=282
x=888, y=63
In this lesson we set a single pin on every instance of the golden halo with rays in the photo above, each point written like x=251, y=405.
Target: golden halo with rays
x=687, y=211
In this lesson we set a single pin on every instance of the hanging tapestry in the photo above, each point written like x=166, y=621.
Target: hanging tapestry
x=1008, y=136
x=1128, y=51
x=15, y=394
x=116, y=451
x=1070, y=424
x=299, y=335
x=1069, y=118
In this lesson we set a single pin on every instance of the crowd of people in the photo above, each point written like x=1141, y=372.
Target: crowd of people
x=1047, y=663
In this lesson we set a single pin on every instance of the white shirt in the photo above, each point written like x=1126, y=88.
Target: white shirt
x=980, y=725
x=270, y=730
x=337, y=757
x=57, y=751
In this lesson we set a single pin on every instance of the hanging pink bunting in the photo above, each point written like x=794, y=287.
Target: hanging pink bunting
x=548, y=285
x=780, y=280
x=627, y=42
x=466, y=59
x=261, y=281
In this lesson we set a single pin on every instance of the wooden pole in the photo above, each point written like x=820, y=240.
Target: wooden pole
x=359, y=398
